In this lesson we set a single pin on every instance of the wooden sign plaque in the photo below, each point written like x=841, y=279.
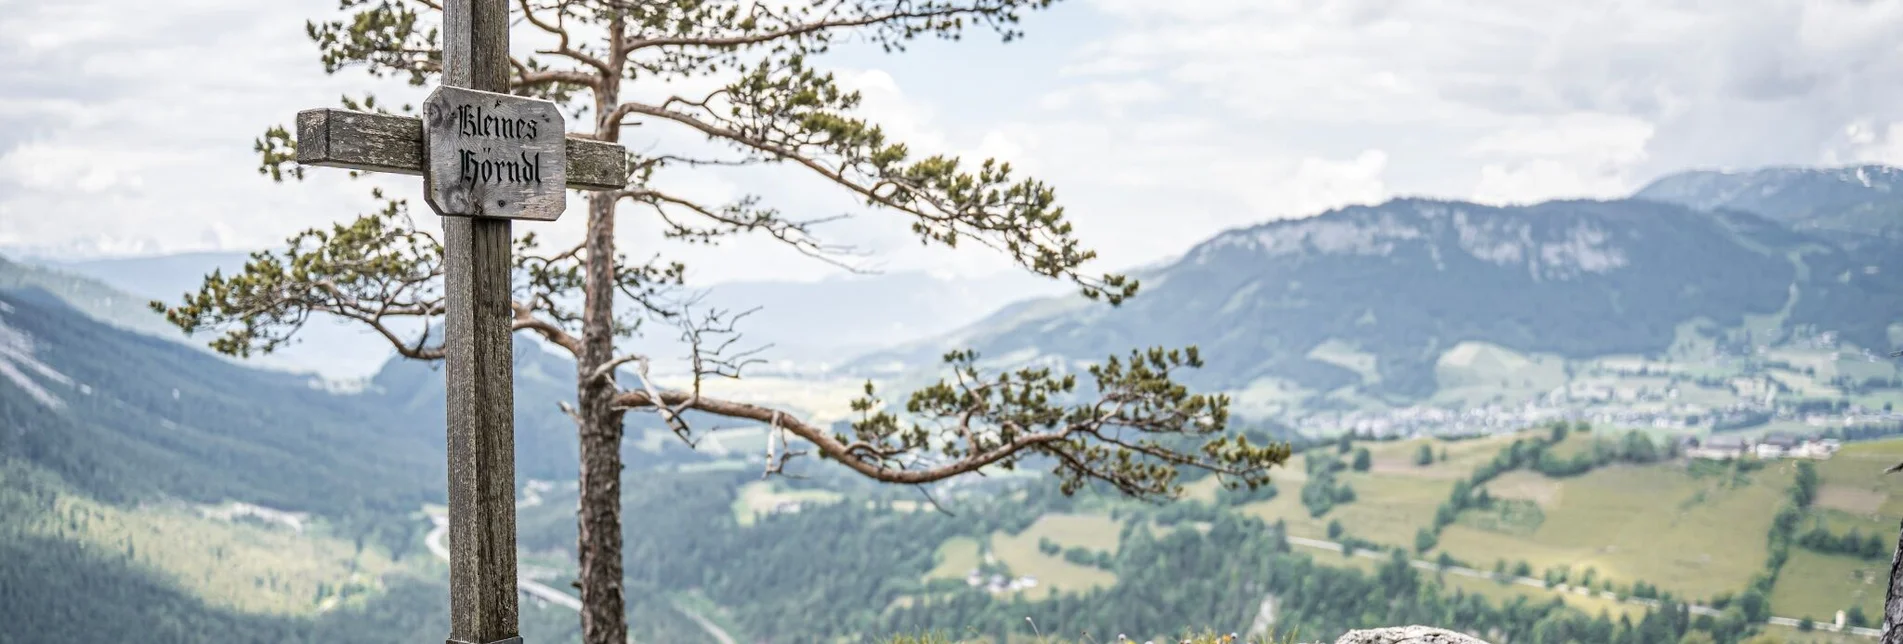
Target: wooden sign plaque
x=494, y=155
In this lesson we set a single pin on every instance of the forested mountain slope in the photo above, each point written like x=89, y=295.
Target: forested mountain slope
x=128, y=417
x=1370, y=297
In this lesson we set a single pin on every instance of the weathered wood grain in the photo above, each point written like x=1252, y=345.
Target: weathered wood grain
x=479, y=364
x=493, y=155
x=336, y=138
x=481, y=435
x=476, y=263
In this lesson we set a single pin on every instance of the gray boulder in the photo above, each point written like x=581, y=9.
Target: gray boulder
x=1406, y=635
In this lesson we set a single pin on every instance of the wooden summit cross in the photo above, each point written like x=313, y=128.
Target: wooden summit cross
x=486, y=157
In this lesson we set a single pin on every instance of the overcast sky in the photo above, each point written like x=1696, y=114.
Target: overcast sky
x=126, y=125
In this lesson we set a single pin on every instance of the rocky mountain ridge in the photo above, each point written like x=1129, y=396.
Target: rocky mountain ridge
x=1369, y=298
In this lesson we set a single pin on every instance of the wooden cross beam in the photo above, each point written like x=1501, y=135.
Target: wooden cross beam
x=486, y=158
x=337, y=138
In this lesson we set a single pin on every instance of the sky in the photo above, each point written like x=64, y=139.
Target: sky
x=126, y=126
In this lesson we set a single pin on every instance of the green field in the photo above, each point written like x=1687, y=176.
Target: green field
x=1832, y=363
x=1695, y=532
x=1790, y=635
x=1853, y=481
x=1693, y=535
x=956, y=557
x=1398, y=457
x=1490, y=589
x=1348, y=356
x=760, y=497
x=1696, y=537
x=1478, y=373
x=1578, y=443
x=1019, y=552
x=1818, y=585
x=1394, y=498
x=240, y=562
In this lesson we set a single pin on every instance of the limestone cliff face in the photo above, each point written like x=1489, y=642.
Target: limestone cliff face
x=1406, y=635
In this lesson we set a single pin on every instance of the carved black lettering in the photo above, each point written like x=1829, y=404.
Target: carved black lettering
x=494, y=147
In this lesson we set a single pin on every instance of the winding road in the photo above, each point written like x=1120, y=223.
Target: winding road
x=439, y=533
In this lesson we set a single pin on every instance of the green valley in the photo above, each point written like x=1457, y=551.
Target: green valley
x=1494, y=408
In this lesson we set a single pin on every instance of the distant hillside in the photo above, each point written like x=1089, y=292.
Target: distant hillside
x=402, y=394
x=156, y=276
x=1370, y=297
x=126, y=417
x=115, y=448
x=802, y=324
x=1859, y=199
x=94, y=297
x=328, y=346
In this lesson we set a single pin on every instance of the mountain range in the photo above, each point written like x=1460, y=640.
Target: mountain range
x=129, y=417
x=1366, y=300
x=1858, y=200
x=99, y=395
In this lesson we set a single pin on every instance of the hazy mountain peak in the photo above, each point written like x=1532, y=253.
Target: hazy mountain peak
x=1855, y=199
x=1707, y=189
x=1360, y=230
x=1553, y=241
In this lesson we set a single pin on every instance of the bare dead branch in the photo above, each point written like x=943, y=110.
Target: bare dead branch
x=933, y=500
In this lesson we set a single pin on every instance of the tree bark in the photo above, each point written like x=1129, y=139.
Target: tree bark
x=1893, y=599
x=604, y=615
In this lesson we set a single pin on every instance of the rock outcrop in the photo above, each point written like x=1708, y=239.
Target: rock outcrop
x=1406, y=635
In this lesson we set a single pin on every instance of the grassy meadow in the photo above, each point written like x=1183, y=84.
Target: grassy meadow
x=1694, y=536
x=229, y=560
x=761, y=497
x=1053, y=573
x=1694, y=529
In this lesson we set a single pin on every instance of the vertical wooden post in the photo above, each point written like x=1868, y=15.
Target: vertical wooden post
x=476, y=261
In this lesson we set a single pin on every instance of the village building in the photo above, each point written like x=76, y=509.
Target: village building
x=1719, y=448
x=1772, y=445
x=999, y=583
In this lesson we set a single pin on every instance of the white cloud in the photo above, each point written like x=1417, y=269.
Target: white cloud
x=1112, y=97
x=1526, y=182
x=1159, y=123
x=1585, y=155
x=1867, y=142
x=1322, y=184
x=1263, y=103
